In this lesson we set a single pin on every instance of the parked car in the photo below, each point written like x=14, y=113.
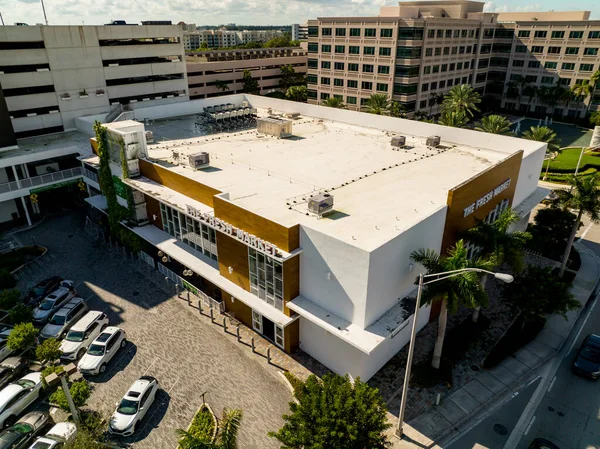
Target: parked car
x=64, y=318
x=102, y=350
x=541, y=443
x=41, y=290
x=10, y=369
x=82, y=334
x=17, y=396
x=134, y=406
x=587, y=361
x=56, y=437
x=51, y=303
x=20, y=435
x=5, y=351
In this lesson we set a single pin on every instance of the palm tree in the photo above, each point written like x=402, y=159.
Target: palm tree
x=543, y=134
x=397, y=109
x=595, y=118
x=378, y=104
x=582, y=91
x=584, y=196
x=334, y=102
x=567, y=96
x=494, y=124
x=462, y=98
x=226, y=438
x=531, y=92
x=456, y=119
x=496, y=242
x=462, y=289
x=595, y=79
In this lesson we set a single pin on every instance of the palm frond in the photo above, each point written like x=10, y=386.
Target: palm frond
x=188, y=440
x=229, y=428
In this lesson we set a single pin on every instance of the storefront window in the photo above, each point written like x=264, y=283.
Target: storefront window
x=266, y=278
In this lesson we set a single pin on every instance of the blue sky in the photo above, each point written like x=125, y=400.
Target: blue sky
x=250, y=12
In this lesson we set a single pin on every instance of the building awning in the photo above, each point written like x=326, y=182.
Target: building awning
x=98, y=201
x=201, y=265
x=528, y=204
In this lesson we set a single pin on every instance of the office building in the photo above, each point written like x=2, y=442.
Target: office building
x=295, y=31
x=417, y=51
x=299, y=220
x=205, y=69
x=194, y=40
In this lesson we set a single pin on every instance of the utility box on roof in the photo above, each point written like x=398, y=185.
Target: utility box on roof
x=199, y=160
x=321, y=204
x=274, y=126
x=433, y=141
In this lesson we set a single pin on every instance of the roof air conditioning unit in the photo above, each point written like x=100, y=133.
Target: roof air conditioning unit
x=149, y=137
x=274, y=126
x=433, y=141
x=321, y=204
x=292, y=115
x=199, y=160
x=398, y=141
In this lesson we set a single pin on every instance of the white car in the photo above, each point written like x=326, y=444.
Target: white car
x=51, y=303
x=16, y=397
x=5, y=351
x=82, y=334
x=134, y=406
x=102, y=350
x=64, y=318
x=56, y=437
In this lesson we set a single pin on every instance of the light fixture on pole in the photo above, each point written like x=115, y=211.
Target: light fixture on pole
x=44, y=10
x=504, y=277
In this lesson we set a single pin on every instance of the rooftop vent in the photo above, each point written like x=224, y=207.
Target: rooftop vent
x=149, y=137
x=398, y=141
x=321, y=204
x=274, y=126
x=292, y=115
x=433, y=141
x=199, y=160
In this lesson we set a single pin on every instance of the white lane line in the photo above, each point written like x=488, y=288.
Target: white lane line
x=582, y=326
x=150, y=366
x=551, y=385
x=89, y=297
x=156, y=409
x=529, y=426
x=585, y=231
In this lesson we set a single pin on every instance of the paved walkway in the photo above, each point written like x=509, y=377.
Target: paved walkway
x=463, y=404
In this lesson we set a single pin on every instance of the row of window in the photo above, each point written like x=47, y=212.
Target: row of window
x=350, y=84
x=442, y=84
x=404, y=33
x=588, y=51
x=353, y=67
x=547, y=80
x=356, y=32
x=448, y=67
x=313, y=47
x=553, y=65
x=438, y=51
x=266, y=278
x=542, y=34
x=439, y=34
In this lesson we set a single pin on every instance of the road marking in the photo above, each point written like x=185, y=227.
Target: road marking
x=585, y=231
x=551, y=385
x=149, y=418
x=582, y=326
x=89, y=297
x=150, y=366
x=529, y=426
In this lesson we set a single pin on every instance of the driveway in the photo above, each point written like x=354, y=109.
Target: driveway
x=166, y=340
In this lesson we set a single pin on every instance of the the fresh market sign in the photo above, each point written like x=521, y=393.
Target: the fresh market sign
x=486, y=198
x=229, y=229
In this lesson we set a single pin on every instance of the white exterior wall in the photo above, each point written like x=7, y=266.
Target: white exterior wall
x=529, y=174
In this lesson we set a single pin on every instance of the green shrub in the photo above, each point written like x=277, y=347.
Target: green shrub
x=48, y=350
x=80, y=392
x=293, y=380
x=52, y=369
x=9, y=299
x=22, y=337
x=7, y=280
x=202, y=427
x=20, y=314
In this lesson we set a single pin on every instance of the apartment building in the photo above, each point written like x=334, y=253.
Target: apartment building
x=224, y=38
x=302, y=227
x=52, y=74
x=205, y=69
x=417, y=51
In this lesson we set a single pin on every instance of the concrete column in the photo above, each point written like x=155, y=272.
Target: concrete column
x=26, y=171
x=16, y=176
x=26, y=211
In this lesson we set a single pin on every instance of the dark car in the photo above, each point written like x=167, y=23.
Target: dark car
x=587, y=362
x=10, y=369
x=41, y=290
x=540, y=443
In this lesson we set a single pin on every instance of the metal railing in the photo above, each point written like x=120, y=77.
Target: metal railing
x=40, y=180
x=90, y=175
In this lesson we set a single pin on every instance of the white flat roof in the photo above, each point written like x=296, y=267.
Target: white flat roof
x=379, y=190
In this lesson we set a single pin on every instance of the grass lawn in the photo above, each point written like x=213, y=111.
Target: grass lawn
x=566, y=161
x=569, y=135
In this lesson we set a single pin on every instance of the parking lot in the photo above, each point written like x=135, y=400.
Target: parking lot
x=166, y=339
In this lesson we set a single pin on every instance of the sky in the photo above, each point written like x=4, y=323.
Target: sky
x=241, y=12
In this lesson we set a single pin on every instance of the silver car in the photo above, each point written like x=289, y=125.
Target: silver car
x=67, y=316
x=51, y=303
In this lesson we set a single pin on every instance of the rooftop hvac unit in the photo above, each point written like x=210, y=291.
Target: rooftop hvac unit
x=398, y=141
x=433, y=141
x=199, y=160
x=321, y=204
x=292, y=115
x=149, y=137
x=274, y=126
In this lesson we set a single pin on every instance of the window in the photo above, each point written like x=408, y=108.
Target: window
x=340, y=32
x=518, y=63
x=540, y=34
x=113, y=340
x=454, y=50
x=467, y=64
x=313, y=63
x=325, y=80
x=531, y=78
x=266, y=278
x=469, y=49
x=438, y=51
x=461, y=50
x=465, y=79
x=406, y=70
x=325, y=48
x=456, y=33
x=383, y=70
x=370, y=32
x=576, y=35
x=547, y=79
x=430, y=34
x=572, y=51
x=553, y=50
x=586, y=67
x=279, y=336
x=427, y=70
x=385, y=32
x=325, y=31
x=436, y=69
x=558, y=34
x=568, y=66
x=326, y=65
x=364, y=101
x=564, y=81
x=366, y=85
x=408, y=52
x=424, y=87
x=550, y=65
x=382, y=87
x=488, y=33
x=459, y=66
x=410, y=33
x=594, y=35
x=534, y=64
x=463, y=33
x=590, y=51
x=351, y=100
x=354, y=50
x=385, y=51
x=450, y=82
x=354, y=32
x=311, y=79
x=313, y=47
x=537, y=49
x=448, y=34
x=444, y=67
x=352, y=67
x=434, y=85
x=439, y=34
x=312, y=94
x=368, y=50
x=352, y=84
x=443, y=84
x=340, y=49
x=190, y=231
x=423, y=104
x=483, y=63
x=446, y=51
x=472, y=33
x=367, y=68
x=338, y=66
x=338, y=82
x=405, y=89
x=313, y=31
x=520, y=48
x=524, y=33
x=451, y=67
x=257, y=321
x=324, y=96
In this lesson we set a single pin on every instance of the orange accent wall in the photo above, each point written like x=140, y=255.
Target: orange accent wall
x=291, y=337
x=94, y=145
x=291, y=281
x=240, y=310
x=153, y=208
x=234, y=254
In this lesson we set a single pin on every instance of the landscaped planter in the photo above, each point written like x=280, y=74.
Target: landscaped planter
x=197, y=421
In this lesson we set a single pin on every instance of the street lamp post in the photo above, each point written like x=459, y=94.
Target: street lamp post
x=411, y=348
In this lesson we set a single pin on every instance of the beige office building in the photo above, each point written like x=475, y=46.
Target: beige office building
x=205, y=69
x=417, y=51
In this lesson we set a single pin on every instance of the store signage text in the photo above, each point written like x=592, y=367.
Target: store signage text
x=486, y=198
x=227, y=228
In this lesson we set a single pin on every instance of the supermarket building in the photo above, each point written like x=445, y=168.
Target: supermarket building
x=338, y=285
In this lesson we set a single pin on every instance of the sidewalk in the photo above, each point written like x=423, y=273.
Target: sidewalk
x=460, y=407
